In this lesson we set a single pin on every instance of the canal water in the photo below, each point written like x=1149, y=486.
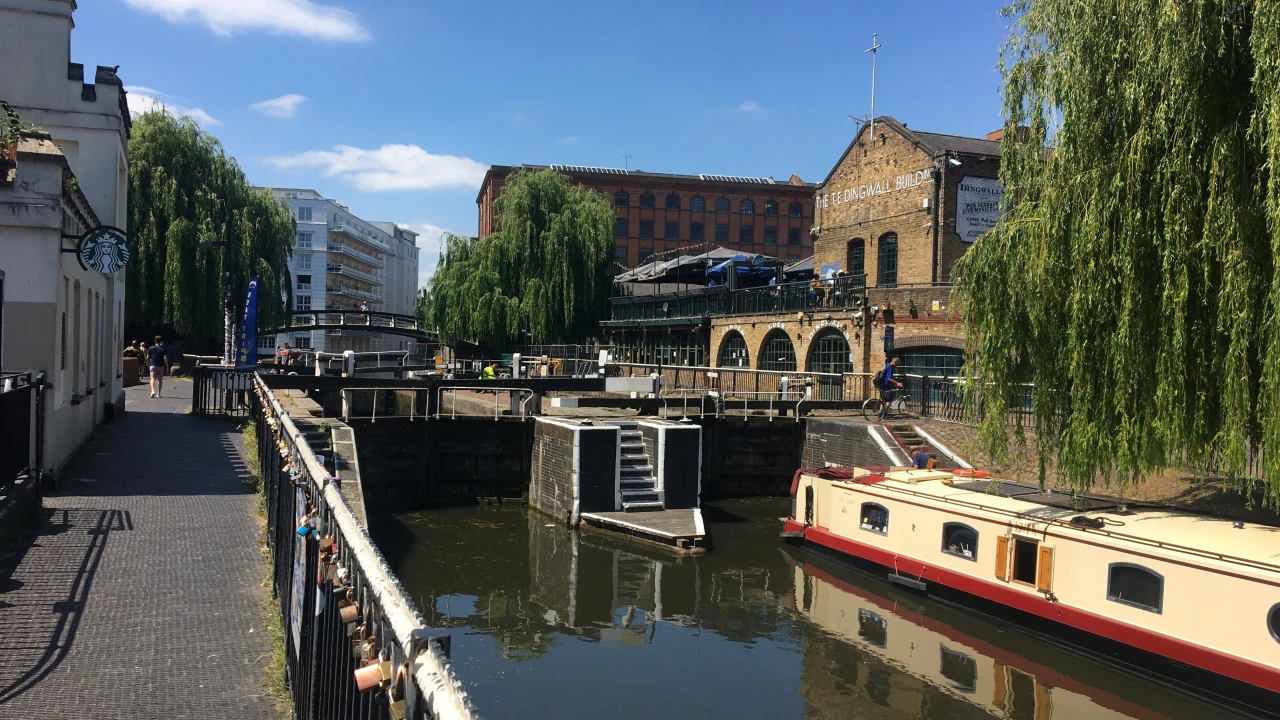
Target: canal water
x=551, y=623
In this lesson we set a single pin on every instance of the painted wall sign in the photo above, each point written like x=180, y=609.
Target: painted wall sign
x=104, y=249
x=878, y=187
x=977, y=206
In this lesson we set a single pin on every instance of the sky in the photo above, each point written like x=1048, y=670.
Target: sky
x=395, y=108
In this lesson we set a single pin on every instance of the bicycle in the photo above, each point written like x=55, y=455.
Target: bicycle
x=891, y=407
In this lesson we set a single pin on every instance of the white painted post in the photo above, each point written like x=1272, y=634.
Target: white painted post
x=604, y=360
x=348, y=363
x=515, y=366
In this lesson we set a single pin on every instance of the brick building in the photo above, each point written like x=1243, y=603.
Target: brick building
x=898, y=208
x=660, y=212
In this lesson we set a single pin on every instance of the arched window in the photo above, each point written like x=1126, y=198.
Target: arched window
x=872, y=628
x=733, y=352
x=777, y=353
x=875, y=518
x=722, y=204
x=646, y=200
x=1273, y=621
x=1135, y=585
x=747, y=207
x=672, y=202
x=960, y=540
x=621, y=199
x=830, y=353
x=887, y=260
x=795, y=210
x=855, y=256
x=697, y=204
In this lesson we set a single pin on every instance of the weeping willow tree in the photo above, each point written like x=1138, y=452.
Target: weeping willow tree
x=184, y=191
x=1133, y=276
x=547, y=271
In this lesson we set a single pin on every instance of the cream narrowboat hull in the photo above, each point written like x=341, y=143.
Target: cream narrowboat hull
x=1183, y=596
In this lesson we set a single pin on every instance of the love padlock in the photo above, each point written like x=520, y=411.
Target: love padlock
x=368, y=677
x=397, y=707
x=348, y=613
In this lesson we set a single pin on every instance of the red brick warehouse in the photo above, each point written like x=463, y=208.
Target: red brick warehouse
x=661, y=212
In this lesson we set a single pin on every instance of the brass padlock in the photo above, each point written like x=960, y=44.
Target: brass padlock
x=348, y=613
x=368, y=677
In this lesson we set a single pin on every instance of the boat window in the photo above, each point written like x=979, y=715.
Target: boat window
x=1135, y=585
x=961, y=540
x=1024, y=560
x=960, y=669
x=875, y=518
x=872, y=628
x=1273, y=621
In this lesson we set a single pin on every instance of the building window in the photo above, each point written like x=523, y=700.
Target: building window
x=771, y=236
x=620, y=227
x=1273, y=621
x=795, y=210
x=304, y=240
x=304, y=282
x=960, y=669
x=746, y=234
x=830, y=353
x=697, y=204
x=304, y=261
x=722, y=205
x=695, y=232
x=646, y=254
x=304, y=214
x=621, y=199
x=646, y=200
x=1135, y=585
x=302, y=342
x=793, y=236
x=855, y=257
x=875, y=518
x=733, y=352
x=722, y=233
x=960, y=540
x=747, y=207
x=887, y=258
x=672, y=202
x=934, y=361
x=778, y=353
x=620, y=255
x=873, y=628
x=302, y=303
x=1026, y=553
x=770, y=207
x=646, y=228
x=671, y=231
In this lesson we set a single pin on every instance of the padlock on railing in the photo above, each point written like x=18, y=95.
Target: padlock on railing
x=396, y=694
x=357, y=639
x=377, y=673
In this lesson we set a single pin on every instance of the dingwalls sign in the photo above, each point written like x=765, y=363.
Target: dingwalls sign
x=874, y=188
x=977, y=206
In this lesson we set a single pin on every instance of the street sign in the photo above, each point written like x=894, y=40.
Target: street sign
x=104, y=249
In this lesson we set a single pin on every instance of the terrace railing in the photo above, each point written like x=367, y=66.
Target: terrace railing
x=734, y=382
x=788, y=297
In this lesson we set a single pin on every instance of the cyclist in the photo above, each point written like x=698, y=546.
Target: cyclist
x=889, y=387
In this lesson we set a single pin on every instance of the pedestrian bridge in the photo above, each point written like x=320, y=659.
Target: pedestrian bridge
x=364, y=321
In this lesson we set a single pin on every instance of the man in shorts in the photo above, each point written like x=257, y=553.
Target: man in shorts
x=158, y=361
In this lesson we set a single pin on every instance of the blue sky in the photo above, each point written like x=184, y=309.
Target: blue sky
x=395, y=107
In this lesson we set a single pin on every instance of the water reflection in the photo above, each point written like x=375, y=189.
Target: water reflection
x=552, y=623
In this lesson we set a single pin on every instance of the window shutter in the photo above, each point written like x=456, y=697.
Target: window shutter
x=1002, y=558
x=1044, y=574
x=1000, y=691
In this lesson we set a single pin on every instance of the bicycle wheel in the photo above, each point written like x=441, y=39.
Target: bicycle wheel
x=873, y=409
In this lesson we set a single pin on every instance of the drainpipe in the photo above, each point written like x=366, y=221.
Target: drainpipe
x=938, y=178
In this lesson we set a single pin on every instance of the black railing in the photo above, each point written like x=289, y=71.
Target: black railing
x=17, y=431
x=944, y=398
x=221, y=391
x=745, y=382
x=355, y=644
x=840, y=292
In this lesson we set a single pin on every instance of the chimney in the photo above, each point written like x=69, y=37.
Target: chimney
x=795, y=180
x=1024, y=132
x=996, y=135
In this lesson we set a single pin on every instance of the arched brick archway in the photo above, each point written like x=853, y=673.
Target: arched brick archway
x=777, y=352
x=829, y=351
x=732, y=351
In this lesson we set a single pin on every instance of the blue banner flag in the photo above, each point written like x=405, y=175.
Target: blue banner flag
x=247, y=340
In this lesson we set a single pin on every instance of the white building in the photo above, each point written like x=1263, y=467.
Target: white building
x=341, y=262
x=58, y=317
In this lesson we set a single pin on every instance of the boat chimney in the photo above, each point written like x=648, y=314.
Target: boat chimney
x=1237, y=525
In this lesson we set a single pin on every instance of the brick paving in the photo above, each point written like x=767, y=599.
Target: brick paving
x=139, y=595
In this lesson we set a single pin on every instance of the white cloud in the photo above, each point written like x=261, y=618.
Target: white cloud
x=279, y=17
x=390, y=167
x=144, y=100
x=284, y=106
x=750, y=106
x=571, y=140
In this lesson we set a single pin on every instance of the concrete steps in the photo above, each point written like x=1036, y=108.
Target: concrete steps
x=636, y=481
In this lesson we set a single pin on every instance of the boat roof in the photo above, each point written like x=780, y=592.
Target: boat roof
x=1174, y=530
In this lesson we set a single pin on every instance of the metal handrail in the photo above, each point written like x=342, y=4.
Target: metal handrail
x=525, y=395
x=340, y=269
x=357, y=254
x=413, y=415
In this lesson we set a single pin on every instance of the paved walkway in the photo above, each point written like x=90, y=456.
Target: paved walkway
x=140, y=595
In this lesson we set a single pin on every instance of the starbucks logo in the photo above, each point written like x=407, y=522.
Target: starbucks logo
x=104, y=249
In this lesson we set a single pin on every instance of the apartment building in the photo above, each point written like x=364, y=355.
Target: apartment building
x=341, y=262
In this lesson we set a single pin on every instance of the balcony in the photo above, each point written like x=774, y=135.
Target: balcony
x=336, y=289
x=359, y=233
x=337, y=247
x=352, y=272
x=691, y=306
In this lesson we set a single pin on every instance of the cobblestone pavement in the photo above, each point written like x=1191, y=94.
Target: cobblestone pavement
x=139, y=595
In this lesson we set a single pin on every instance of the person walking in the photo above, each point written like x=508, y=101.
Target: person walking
x=158, y=361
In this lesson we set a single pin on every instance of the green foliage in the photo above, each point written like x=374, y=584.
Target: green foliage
x=10, y=132
x=1135, y=270
x=547, y=270
x=183, y=190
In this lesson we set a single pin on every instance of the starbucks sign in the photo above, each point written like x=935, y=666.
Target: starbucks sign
x=104, y=249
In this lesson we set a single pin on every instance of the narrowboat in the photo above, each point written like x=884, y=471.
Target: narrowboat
x=1189, y=599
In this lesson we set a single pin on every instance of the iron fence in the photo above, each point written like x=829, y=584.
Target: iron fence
x=221, y=391
x=837, y=292
x=356, y=645
x=19, y=443
x=734, y=381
